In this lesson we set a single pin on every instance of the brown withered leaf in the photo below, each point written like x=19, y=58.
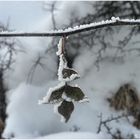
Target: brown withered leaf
x=65, y=109
x=74, y=93
x=56, y=95
x=67, y=72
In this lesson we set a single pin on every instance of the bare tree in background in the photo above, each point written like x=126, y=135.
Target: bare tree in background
x=51, y=8
x=103, y=10
x=7, y=50
x=117, y=134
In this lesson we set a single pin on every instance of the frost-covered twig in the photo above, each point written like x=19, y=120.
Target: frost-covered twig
x=105, y=122
x=77, y=29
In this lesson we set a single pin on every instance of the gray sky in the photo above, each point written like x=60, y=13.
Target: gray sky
x=23, y=14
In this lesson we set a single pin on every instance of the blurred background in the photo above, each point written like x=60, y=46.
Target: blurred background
x=107, y=60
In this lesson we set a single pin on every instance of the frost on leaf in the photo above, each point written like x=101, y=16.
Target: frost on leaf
x=70, y=74
x=62, y=65
x=75, y=93
x=56, y=95
x=66, y=98
x=65, y=109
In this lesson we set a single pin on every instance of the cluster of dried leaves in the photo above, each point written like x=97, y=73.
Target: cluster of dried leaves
x=127, y=99
x=65, y=95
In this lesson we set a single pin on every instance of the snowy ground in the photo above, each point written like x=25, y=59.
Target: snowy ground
x=27, y=119
x=74, y=135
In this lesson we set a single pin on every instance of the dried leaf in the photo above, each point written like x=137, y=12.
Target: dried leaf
x=74, y=93
x=56, y=95
x=67, y=73
x=65, y=109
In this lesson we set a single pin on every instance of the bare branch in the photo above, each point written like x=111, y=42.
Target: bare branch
x=75, y=30
x=105, y=122
x=51, y=7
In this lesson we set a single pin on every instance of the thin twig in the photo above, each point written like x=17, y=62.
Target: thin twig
x=105, y=122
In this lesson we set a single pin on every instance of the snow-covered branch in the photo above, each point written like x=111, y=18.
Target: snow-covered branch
x=77, y=29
